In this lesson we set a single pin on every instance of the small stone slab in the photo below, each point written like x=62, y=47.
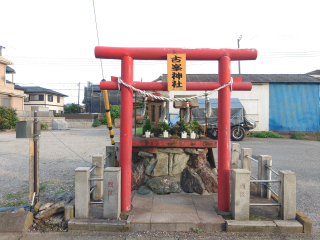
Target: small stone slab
x=191, y=150
x=56, y=219
x=50, y=211
x=145, y=154
x=251, y=226
x=45, y=206
x=36, y=207
x=18, y=221
x=143, y=190
x=288, y=226
x=170, y=150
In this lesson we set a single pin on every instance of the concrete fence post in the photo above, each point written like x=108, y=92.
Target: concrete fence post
x=235, y=153
x=97, y=159
x=240, y=194
x=263, y=174
x=112, y=193
x=117, y=144
x=287, y=195
x=110, y=155
x=246, y=162
x=82, y=192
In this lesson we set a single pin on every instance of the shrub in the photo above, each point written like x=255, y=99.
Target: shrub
x=8, y=118
x=194, y=126
x=44, y=126
x=57, y=115
x=183, y=126
x=266, y=134
x=96, y=123
x=104, y=121
x=147, y=126
x=115, y=111
x=299, y=136
x=163, y=126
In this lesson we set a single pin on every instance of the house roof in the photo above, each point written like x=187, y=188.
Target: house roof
x=5, y=61
x=315, y=72
x=36, y=89
x=10, y=70
x=253, y=78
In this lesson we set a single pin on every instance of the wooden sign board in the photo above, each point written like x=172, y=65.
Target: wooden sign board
x=177, y=78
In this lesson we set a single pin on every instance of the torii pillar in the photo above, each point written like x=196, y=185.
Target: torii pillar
x=224, y=56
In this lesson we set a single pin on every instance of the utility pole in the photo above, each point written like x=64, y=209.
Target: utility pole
x=78, y=97
x=239, y=47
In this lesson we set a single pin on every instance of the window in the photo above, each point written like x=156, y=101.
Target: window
x=58, y=99
x=50, y=98
x=36, y=97
x=26, y=99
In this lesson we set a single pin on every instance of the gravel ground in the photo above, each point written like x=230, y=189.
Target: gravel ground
x=61, y=151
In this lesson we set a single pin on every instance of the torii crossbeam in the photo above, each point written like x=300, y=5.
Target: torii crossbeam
x=224, y=56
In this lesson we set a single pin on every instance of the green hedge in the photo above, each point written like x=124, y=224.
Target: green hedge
x=8, y=118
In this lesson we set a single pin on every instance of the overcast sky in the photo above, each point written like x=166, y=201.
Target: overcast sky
x=52, y=42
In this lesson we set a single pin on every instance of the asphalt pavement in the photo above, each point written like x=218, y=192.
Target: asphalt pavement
x=301, y=157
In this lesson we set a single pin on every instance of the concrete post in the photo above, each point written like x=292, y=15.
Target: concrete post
x=110, y=156
x=240, y=194
x=246, y=162
x=263, y=174
x=97, y=159
x=82, y=192
x=235, y=153
x=112, y=193
x=287, y=195
x=117, y=144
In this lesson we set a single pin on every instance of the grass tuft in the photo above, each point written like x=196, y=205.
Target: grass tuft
x=266, y=134
x=299, y=136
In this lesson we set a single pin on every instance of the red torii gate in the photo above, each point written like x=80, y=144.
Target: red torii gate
x=224, y=56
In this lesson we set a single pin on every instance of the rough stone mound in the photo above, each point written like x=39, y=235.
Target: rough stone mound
x=164, y=184
x=201, y=159
x=209, y=179
x=137, y=175
x=191, y=182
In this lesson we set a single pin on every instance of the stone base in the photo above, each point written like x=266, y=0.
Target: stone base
x=15, y=221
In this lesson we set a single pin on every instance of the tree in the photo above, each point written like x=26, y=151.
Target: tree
x=74, y=108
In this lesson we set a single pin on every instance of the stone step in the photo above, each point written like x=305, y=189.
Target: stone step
x=203, y=221
x=98, y=225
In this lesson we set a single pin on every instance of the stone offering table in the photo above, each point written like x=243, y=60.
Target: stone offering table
x=173, y=165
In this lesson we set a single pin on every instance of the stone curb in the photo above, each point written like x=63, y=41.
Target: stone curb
x=304, y=220
x=276, y=226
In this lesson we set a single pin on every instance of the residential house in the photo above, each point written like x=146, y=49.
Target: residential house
x=42, y=98
x=9, y=96
x=278, y=102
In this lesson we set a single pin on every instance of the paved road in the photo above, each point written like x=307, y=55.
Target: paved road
x=301, y=157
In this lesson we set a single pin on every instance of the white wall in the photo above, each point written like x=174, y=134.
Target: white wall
x=255, y=102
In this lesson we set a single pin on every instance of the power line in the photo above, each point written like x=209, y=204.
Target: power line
x=95, y=18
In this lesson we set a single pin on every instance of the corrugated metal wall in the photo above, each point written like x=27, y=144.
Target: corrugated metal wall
x=294, y=107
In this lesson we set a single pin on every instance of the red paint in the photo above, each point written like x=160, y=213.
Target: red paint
x=161, y=53
x=126, y=133
x=191, y=86
x=224, y=137
x=173, y=143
